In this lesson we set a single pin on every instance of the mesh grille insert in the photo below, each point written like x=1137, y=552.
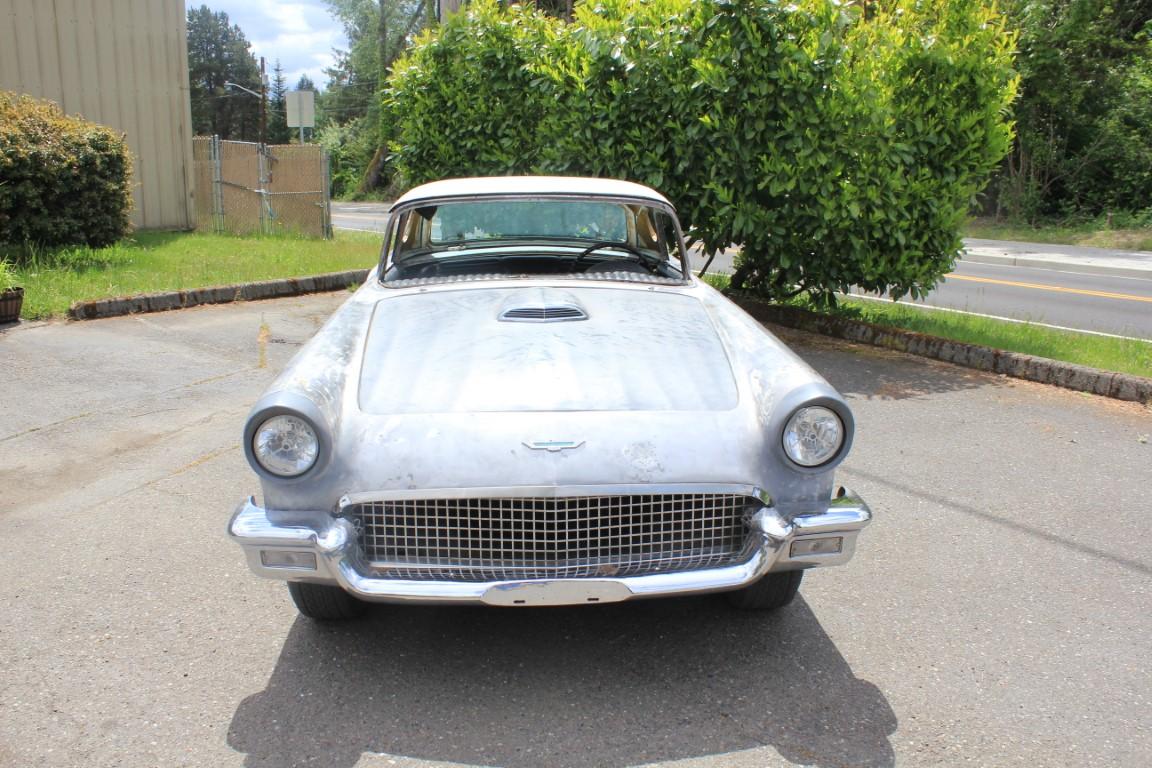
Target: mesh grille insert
x=487, y=539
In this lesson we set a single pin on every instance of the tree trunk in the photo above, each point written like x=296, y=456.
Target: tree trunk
x=740, y=277
x=371, y=178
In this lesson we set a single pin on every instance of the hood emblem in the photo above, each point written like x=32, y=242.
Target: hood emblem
x=552, y=446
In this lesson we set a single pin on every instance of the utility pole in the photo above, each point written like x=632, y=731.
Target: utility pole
x=263, y=104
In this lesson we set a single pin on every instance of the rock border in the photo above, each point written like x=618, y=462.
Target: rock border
x=1121, y=386
x=220, y=294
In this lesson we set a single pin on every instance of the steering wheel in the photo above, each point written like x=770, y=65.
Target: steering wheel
x=646, y=260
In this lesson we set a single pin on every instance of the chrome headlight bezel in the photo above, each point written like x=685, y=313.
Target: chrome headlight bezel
x=790, y=436
x=298, y=407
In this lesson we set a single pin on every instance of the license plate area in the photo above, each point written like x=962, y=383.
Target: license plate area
x=568, y=592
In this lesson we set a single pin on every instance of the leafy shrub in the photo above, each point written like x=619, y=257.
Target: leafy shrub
x=464, y=103
x=350, y=146
x=63, y=180
x=833, y=149
x=1122, y=154
x=1082, y=146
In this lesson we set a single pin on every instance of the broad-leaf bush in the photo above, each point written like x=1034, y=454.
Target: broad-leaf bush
x=833, y=149
x=63, y=180
x=350, y=147
x=464, y=104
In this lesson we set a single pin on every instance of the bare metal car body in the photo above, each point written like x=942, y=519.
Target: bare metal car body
x=544, y=439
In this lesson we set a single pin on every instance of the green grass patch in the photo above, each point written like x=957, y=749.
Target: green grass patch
x=719, y=282
x=166, y=261
x=1094, y=233
x=1111, y=354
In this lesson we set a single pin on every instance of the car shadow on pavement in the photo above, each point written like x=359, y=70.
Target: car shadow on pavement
x=875, y=373
x=612, y=685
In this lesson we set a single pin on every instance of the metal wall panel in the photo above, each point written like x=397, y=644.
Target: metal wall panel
x=121, y=63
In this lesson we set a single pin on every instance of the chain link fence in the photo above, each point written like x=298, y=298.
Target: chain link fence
x=246, y=188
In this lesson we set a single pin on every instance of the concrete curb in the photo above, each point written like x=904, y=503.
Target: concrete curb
x=221, y=294
x=1120, y=386
x=1079, y=267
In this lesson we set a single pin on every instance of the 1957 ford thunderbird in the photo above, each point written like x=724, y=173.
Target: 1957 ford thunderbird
x=532, y=401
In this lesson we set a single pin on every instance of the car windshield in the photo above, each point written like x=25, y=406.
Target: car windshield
x=524, y=237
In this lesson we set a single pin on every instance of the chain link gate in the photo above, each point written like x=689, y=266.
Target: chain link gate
x=247, y=188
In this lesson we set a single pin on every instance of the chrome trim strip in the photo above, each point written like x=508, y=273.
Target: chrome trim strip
x=834, y=520
x=553, y=492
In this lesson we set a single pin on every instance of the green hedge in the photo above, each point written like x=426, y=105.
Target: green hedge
x=63, y=180
x=834, y=149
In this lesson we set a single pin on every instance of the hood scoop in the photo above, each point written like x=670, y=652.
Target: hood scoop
x=543, y=313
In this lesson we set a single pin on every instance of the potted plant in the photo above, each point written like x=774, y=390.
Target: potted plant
x=11, y=295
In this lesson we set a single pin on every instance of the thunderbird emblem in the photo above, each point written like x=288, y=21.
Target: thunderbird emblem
x=552, y=446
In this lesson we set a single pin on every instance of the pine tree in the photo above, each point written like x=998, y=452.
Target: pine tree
x=218, y=53
x=278, y=132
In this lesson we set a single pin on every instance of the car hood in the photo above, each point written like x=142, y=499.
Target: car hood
x=419, y=390
x=543, y=349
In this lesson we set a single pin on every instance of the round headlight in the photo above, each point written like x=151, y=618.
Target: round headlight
x=286, y=445
x=813, y=436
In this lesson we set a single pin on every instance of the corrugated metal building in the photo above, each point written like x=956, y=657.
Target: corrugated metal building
x=122, y=63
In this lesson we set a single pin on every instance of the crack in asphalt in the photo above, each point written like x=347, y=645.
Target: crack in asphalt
x=1051, y=538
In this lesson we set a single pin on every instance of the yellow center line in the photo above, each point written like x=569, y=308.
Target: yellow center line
x=1056, y=288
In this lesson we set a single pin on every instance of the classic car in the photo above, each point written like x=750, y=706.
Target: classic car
x=533, y=401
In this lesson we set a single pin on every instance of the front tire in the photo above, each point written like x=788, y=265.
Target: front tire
x=772, y=592
x=324, y=603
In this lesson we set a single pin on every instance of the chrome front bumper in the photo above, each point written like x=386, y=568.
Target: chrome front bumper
x=318, y=547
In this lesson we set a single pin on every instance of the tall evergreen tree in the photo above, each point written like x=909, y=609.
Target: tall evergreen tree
x=218, y=53
x=278, y=132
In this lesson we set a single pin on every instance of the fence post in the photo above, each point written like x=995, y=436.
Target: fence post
x=326, y=193
x=262, y=189
x=217, y=187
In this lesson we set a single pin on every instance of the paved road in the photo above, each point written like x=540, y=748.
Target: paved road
x=1109, y=304
x=368, y=217
x=998, y=611
x=1068, y=286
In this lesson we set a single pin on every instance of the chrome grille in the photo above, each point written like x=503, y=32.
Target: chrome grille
x=485, y=539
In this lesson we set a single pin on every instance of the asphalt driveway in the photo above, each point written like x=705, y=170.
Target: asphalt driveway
x=998, y=611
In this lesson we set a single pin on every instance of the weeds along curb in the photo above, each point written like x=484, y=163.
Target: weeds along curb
x=221, y=294
x=1121, y=386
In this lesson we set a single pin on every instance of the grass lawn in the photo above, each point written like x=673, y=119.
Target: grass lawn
x=1110, y=354
x=162, y=261
x=1089, y=234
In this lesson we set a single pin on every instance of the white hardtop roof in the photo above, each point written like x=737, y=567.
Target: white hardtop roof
x=530, y=185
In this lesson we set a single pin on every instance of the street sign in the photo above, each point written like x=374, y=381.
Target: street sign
x=301, y=109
